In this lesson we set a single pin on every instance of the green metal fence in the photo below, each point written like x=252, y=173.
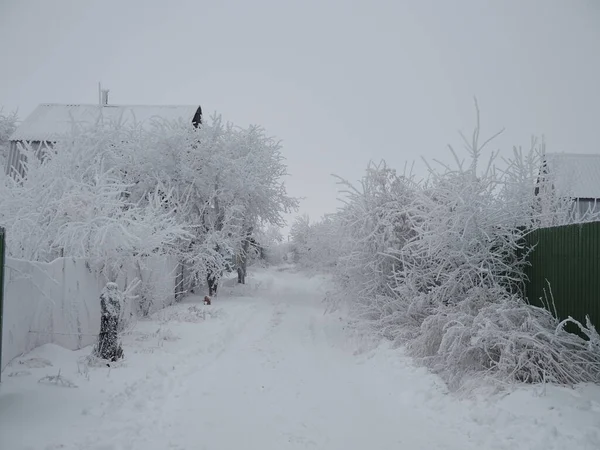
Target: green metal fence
x=567, y=257
x=2, y=239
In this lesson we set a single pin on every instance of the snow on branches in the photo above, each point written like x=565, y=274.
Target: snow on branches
x=375, y=225
x=315, y=245
x=74, y=202
x=439, y=266
x=115, y=192
x=8, y=124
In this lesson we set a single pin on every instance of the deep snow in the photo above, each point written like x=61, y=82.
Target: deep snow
x=265, y=368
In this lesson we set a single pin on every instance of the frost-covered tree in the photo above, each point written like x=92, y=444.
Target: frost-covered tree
x=8, y=124
x=271, y=244
x=299, y=236
x=316, y=245
x=226, y=183
x=257, y=193
x=115, y=192
x=374, y=224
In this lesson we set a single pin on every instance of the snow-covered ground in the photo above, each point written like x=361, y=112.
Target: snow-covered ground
x=265, y=368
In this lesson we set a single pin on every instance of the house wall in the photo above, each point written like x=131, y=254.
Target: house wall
x=12, y=159
x=15, y=160
x=587, y=206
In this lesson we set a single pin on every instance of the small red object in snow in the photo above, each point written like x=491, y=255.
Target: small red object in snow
x=206, y=300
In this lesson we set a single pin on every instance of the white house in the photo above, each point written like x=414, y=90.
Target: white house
x=49, y=122
x=574, y=176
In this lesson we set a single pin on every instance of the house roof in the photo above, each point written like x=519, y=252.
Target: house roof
x=575, y=175
x=49, y=121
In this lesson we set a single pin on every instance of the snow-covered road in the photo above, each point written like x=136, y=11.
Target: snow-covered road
x=265, y=368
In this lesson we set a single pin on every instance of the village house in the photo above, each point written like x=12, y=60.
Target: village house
x=575, y=177
x=48, y=123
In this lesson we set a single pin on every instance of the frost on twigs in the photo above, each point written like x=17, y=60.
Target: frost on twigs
x=8, y=124
x=509, y=340
x=439, y=267
x=109, y=347
x=121, y=193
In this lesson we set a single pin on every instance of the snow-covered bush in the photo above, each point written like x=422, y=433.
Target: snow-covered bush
x=299, y=236
x=439, y=267
x=372, y=225
x=507, y=338
x=270, y=247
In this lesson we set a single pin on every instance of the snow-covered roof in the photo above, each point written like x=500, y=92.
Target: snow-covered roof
x=48, y=121
x=575, y=175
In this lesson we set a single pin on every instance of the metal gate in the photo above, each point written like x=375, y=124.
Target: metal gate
x=567, y=257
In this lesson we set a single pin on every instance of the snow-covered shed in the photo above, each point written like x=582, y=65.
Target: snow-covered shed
x=49, y=122
x=574, y=176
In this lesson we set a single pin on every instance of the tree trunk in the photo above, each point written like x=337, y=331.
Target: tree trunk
x=241, y=275
x=109, y=347
x=242, y=259
x=212, y=282
x=213, y=275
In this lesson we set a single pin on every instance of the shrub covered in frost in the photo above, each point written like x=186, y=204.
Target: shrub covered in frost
x=439, y=266
x=315, y=245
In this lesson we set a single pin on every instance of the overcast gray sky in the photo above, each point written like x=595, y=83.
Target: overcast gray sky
x=340, y=82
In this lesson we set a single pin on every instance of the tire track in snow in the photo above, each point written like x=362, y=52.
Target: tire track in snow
x=289, y=385
x=275, y=373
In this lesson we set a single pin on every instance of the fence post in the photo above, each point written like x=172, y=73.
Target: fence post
x=2, y=259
